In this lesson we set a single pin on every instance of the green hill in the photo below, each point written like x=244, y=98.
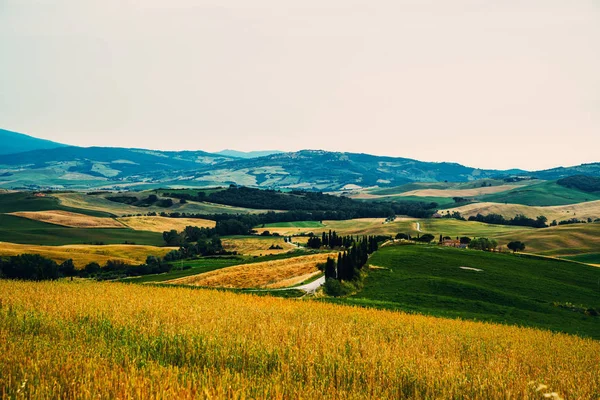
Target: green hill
x=541, y=194
x=472, y=284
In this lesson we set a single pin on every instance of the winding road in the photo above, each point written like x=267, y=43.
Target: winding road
x=418, y=227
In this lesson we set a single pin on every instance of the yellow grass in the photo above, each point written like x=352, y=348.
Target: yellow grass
x=268, y=274
x=89, y=340
x=70, y=219
x=82, y=254
x=590, y=209
x=161, y=224
x=256, y=246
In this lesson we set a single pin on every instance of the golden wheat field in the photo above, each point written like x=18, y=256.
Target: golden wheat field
x=256, y=246
x=84, y=340
x=161, y=224
x=357, y=226
x=268, y=274
x=82, y=254
x=70, y=219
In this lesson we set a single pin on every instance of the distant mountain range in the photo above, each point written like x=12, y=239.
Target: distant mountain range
x=51, y=165
x=247, y=154
x=13, y=142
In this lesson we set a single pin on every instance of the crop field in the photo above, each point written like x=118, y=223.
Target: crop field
x=558, y=240
x=161, y=224
x=27, y=201
x=70, y=219
x=100, y=203
x=589, y=258
x=378, y=226
x=84, y=254
x=473, y=192
x=297, y=224
x=91, y=340
x=473, y=284
x=583, y=211
x=256, y=245
x=269, y=274
x=541, y=194
x=25, y=231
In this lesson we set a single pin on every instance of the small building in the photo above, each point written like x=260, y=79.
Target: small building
x=436, y=215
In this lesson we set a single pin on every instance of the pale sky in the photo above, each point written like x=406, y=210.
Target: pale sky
x=490, y=83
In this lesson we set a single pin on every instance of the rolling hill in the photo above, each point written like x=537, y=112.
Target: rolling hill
x=14, y=142
x=71, y=167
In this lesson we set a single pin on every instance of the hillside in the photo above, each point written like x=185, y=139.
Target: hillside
x=484, y=286
x=14, y=142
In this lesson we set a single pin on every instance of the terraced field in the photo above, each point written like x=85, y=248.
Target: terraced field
x=270, y=274
x=84, y=254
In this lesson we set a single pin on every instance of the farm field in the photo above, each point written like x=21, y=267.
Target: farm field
x=69, y=219
x=484, y=286
x=269, y=274
x=561, y=240
x=542, y=194
x=27, y=201
x=100, y=203
x=161, y=224
x=378, y=226
x=589, y=258
x=298, y=224
x=256, y=245
x=207, y=264
x=25, y=231
x=580, y=211
x=84, y=254
x=109, y=340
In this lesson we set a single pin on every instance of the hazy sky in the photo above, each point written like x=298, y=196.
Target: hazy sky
x=495, y=84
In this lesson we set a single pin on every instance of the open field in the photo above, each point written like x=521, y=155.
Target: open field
x=484, y=286
x=256, y=245
x=269, y=274
x=297, y=224
x=377, y=226
x=583, y=211
x=541, y=194
x=589, y=258
x=27, y=201
x=107, y=340
x=473, y=192
x=70, y=219
x=84, y=254
x=161, y=224
x=22, y=230
x=558, y=240
x=100, y=203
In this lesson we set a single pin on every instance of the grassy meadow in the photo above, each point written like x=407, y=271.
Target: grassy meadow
x=26, y=231
x=484, y=286
x=541, y=194
x=89, y=340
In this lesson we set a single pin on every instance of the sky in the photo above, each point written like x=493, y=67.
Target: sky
x=488, y=83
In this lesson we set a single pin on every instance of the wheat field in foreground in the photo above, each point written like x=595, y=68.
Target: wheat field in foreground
x=82, y=254
x=268, y=274
x=83, y=340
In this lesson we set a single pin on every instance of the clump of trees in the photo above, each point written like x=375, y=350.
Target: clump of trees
x=589, y=184
x=518, y=220
x=516, y=246
x=484, y=244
